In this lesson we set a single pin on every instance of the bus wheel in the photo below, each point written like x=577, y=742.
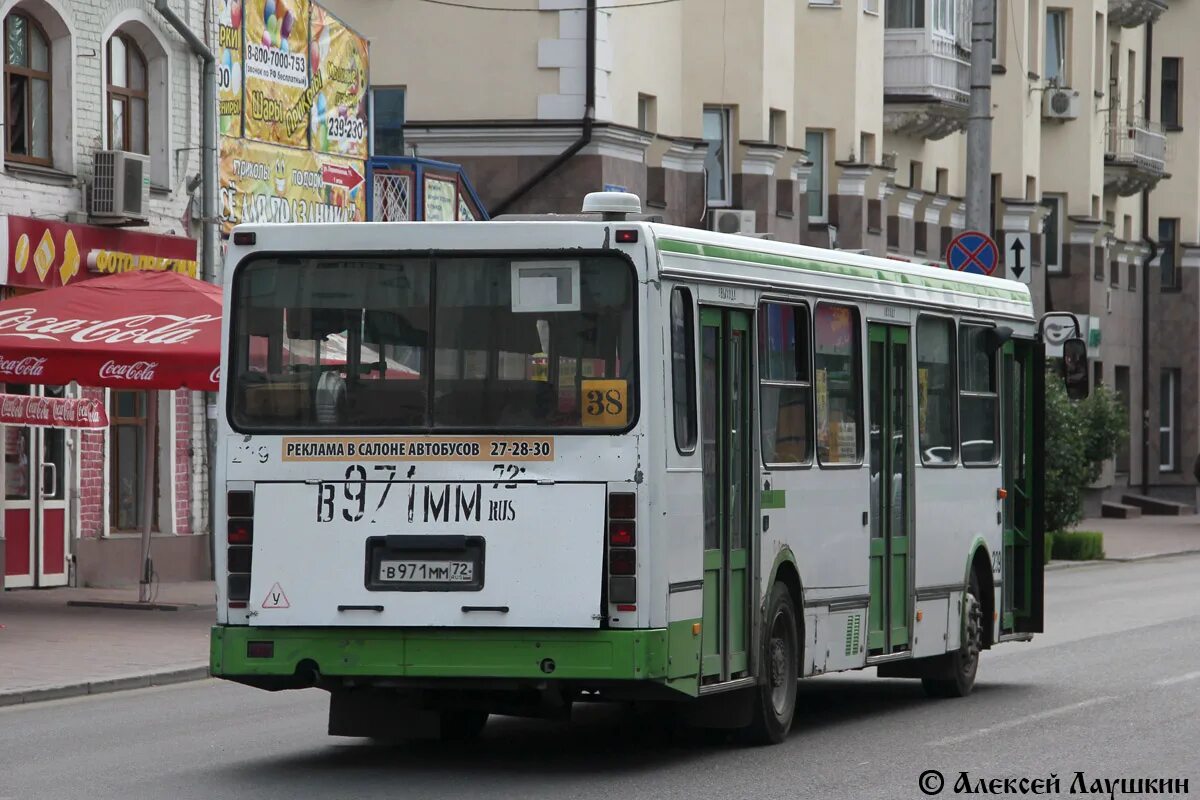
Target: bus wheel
x=964, y=662
x=462, y=725
x=775, y=696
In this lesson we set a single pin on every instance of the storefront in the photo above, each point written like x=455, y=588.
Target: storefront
x=73, y=504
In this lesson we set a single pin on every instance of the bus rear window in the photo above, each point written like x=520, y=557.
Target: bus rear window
x=394, y=343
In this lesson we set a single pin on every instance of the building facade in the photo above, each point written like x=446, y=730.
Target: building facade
x=95, y=87
x=842, y=123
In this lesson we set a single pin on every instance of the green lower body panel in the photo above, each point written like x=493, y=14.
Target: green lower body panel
x=445, y=653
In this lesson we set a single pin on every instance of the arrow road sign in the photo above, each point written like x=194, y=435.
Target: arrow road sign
x=1017, y=257
x=974, y=252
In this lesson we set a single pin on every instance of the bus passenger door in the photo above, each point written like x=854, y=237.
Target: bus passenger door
x=891, y=475
x=1023, y=540
x=725, y=411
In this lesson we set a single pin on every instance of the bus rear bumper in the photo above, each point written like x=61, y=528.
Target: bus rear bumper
x=263, y=656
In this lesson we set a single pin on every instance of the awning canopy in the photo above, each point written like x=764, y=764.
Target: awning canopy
x=132, y=330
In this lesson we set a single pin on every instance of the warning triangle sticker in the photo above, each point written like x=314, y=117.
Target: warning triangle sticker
x=276, y=598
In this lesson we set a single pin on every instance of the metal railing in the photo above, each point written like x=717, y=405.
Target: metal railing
x=1139, y=143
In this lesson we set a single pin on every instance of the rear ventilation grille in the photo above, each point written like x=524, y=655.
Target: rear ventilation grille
x=853, y=627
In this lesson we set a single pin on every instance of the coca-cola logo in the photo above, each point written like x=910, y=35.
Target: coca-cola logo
x=215, y=375
x=137, y=329
x=140, y=371
x=28, y=367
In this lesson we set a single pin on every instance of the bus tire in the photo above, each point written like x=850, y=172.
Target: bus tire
x=775, y=696
x=461, y=724
x=962, y=664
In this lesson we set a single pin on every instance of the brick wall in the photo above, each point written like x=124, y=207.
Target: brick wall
x=92, y=479
x=183, y=461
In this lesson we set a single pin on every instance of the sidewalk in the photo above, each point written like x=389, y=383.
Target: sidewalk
x=1146, y=537
x=49, y=649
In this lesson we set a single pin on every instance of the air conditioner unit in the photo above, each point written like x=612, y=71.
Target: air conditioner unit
x=732, y=220
x=1059, y=103
x=121, y=187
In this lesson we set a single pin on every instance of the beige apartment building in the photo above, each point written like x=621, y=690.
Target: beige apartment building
x=842, y=123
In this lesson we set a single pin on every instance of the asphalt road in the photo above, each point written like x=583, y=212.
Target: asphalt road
x=1112, y=690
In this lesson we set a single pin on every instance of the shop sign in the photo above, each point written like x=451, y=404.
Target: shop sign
x=52, y=412
x=338, y=62
x=43, y=254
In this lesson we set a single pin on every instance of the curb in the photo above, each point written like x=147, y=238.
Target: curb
x=104, y=685
x=1057, y=565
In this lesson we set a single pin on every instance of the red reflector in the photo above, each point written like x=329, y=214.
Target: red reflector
x=260, y=649
x=244, y=237
x=620, y=533
x=627, y=236
x=626, y=607
x=622, y=506
x=622, y=562
x=237, y=603
x=241, y=531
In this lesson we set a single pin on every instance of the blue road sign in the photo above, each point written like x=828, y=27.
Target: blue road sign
x=972, y=251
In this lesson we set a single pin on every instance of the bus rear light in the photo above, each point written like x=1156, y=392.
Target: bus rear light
x=260, y=649
x=626, y=607
x=622, y=561
x=239, y=504
x=621, y=534
x=239, y=558
x=238, y=588
x=622, y=591
x=237, y=603
x=241, y=531
x=622, y=506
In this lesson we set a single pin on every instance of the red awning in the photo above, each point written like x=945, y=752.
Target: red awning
x=133, y=330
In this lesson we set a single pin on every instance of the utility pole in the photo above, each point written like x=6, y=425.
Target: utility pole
x=979, y=119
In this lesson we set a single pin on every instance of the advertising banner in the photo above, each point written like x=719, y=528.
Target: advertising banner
x=264, y=183
x=277, y=91
x=41, y=254
x=337, y=60
x=52, y=412
x=229, y=66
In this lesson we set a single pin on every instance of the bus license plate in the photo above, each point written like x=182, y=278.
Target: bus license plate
x=426, y=571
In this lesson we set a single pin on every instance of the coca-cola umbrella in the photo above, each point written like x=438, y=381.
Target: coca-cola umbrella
x=133, y=330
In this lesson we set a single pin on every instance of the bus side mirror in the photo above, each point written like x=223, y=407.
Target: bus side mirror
x=1075, y=371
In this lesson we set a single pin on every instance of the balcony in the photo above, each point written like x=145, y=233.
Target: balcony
x=1132, y=13
x=926, y=83
x=1135, y=157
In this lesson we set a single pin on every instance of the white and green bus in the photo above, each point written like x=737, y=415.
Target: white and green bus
x=504, y=467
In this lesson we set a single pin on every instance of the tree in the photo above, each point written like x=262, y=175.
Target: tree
x=1080, y=437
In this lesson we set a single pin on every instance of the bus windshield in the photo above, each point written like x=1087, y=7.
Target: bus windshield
x=389, y=343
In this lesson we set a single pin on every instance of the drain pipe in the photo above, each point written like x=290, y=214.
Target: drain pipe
x=589, y=118
x=1148, y=88
x=208, y=180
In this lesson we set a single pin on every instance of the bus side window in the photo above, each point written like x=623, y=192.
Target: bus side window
x=785, y=384
x=936, y=391
x=683, y=369
x=837, y=362
x=978, y=404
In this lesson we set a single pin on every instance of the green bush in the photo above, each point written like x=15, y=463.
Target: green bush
x=1078, y=545
x=1080, y=437
x=1049, y=548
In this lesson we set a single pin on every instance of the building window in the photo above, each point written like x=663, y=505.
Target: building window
x=1121, y=381
x=1172, y=98
x=818, y=192
x=870, y=6
x=904, y=14
x=718, y=135
x=1168, y=402
x=683, y=369
x=387, y=121
x=128, y=122
x=977, y=404
x=1168, y=252
x=945, y=18
x=785, y=384
x=27, y=88
x=777, y=132
x=1056, y=47
x=838, y=382
x=936, y=390
x=127, y=460
x=647, y=113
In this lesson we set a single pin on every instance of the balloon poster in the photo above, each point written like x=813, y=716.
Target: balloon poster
x=277, y=96
x=337, y=60
x=229, y=66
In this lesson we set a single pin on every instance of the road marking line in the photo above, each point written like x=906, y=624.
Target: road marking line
x=1191, y=676
x=1014, y=723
